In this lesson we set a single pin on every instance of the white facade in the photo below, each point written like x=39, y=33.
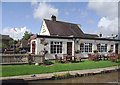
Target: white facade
x=44, y=29
x=39, y=47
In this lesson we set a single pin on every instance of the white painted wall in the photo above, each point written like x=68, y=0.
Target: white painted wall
x=40, y=47
x=44, y=30
x=119, y=48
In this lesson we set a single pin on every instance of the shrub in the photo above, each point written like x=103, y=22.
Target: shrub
x=77, y=74
x=67, y=74
x=2, y=47
x=63, y=61
x=48, y=62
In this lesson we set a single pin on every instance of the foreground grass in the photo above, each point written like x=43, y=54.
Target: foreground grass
x=14, y=70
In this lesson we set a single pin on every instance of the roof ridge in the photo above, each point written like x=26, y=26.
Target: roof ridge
x=63, y=22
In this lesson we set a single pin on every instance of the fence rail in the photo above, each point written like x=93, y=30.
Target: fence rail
x=20, y=58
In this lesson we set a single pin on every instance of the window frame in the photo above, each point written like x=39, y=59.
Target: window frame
x=56, y=47
x=86, y=47
x=102, y=47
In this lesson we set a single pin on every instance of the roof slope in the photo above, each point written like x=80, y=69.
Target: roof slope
x=4, y=37
x=65, y=29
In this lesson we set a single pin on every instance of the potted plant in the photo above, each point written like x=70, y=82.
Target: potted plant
x=77, y=51
x=45, y=42
x=95, y=51
x=45, y=51
x=109, y=50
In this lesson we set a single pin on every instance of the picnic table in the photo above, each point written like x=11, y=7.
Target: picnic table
x=96, y=57
x=69, y=58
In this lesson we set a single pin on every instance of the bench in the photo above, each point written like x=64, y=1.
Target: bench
x=114, y=59
x=58, y=59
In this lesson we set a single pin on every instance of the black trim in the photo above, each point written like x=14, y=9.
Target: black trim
x=73, y=37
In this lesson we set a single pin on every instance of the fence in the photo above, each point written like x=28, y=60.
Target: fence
x=20, y=58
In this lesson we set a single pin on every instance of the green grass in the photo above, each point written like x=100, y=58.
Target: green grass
x=13, y=70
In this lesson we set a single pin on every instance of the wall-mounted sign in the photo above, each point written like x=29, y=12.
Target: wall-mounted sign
x=43, y=29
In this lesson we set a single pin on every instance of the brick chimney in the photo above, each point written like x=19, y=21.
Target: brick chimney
x=100, y=35
x=53, y=18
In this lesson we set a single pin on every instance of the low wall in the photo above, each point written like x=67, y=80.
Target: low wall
x=20, y=58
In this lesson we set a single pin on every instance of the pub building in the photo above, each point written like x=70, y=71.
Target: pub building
x=57, y=37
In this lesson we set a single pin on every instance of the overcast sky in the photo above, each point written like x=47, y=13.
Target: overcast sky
x=94, y=17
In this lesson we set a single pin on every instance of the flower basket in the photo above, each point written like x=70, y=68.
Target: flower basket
x=81, y=42
x=77, y=51
x=45, y=42
x=45, y=51
x=28, y=44
x=95, y=51
x=96, y=43
x=110, y=51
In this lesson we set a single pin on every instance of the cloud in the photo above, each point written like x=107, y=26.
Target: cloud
x=104, y=8
x=43, y=10
x=15, y=35
x=34, y=2
x=27, y=16
x=73, y=9
x=83, y=14
x=108, y=24
x=90, y=22
x=66, y=13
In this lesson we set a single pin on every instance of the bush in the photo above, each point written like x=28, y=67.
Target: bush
x=67, y=74
x=16, y=49
x=2, y=47
x=48, y=63
x=77, y=74
x=63, y=61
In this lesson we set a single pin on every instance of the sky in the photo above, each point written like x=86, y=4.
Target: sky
x=94, y=17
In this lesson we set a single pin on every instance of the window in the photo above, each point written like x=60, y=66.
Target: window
x=102, y=47
x=86, y=47
x=56, y=47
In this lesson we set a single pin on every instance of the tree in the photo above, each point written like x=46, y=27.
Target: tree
x=26, y=35
x=11, y=41
x=3, y=47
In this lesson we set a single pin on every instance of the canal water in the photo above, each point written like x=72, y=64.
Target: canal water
x=99, y=78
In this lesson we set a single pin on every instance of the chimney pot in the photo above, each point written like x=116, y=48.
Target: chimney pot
x=100, y=35
x=53, y=18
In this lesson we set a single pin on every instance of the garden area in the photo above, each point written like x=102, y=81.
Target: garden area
x=51, y=66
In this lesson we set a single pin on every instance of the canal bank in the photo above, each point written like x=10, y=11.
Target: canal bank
x=51, y=75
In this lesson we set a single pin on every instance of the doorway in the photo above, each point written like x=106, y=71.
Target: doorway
x=116, y=48
x=33, y=47
x=69, y=48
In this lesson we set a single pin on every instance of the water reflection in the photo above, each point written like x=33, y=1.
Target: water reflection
x=99, y=78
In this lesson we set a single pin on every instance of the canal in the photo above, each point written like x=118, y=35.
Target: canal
x=99, y=78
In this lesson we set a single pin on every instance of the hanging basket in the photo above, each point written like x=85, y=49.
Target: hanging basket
x=95, y=51
x=96, y=43
x=44, y=42
x=81, y=42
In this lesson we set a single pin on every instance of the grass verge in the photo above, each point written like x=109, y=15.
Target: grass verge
x=14, y=70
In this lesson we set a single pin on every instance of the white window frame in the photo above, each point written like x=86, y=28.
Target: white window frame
x=86, y=46
x=102, y=46
x=52, y=51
